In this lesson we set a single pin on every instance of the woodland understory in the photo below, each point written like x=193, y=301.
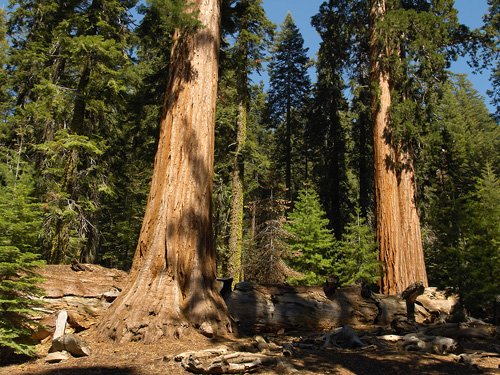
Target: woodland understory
x=139, y=136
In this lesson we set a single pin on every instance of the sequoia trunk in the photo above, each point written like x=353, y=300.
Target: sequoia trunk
x=398, y=225
x=173, y=272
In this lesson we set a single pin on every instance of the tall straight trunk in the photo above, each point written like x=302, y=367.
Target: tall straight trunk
x=337, y=169
x=236, y=221
x=288, y=151
x=173, y=272
x=365, y=156
x=398, y=225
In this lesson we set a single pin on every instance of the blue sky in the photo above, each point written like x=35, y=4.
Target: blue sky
x=470, y=13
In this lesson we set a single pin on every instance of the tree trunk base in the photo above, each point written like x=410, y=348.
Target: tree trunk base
x=159, y=309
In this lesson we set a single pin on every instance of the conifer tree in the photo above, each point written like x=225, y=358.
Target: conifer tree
x=173, y=274
x=357, y=252
x=20, y=221
x=131, y=153
x=71, y=74
x=311, y=243
x=289, y=87
x=462, y=141
x=248, y=52
x=408, y=58
x=327, y=128
x=481, y=244
x=4, y=47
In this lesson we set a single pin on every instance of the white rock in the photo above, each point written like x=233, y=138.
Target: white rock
x=206, y=329
x=61, y=320
x=391, y=338
x=71, y=343
x=57, y=357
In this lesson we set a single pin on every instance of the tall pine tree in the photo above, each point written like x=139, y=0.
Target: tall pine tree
x=289, y=88
x=311, y=243
x=70, y=75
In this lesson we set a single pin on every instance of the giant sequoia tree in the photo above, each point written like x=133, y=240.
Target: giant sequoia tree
x=410, y=46
x=398, y=225
x=173, y=273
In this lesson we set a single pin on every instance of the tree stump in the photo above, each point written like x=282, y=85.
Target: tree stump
x=410, y=295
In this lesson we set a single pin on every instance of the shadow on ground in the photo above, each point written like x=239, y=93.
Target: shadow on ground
x=92, y=370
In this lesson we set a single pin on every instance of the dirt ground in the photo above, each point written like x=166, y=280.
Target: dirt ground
x=81, y=293
x=383, y=358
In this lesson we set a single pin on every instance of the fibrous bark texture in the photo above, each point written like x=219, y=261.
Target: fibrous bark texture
x=236, y=221
x=173, y=272
x=398, y=224
x=270, y=308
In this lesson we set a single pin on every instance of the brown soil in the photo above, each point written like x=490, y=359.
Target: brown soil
x=140, y=359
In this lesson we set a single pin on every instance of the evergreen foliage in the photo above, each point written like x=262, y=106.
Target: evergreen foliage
x=311, y=243
x=289, y=89
x=264, y=260
x=463, y=143
x=81, y=92
x=357, y=252
x=18, y=281
x=4, y=47
x=20, y=221
x=238, y=111
x=492, y=30
x=329, y=130
x=481, y=245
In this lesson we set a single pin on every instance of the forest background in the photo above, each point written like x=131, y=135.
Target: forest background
x=81, y=87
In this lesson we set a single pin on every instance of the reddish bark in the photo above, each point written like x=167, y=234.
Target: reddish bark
x=173, y=272
x=398, y=224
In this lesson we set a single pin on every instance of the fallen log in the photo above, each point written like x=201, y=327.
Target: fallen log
x=272, y=308
x=222, y=361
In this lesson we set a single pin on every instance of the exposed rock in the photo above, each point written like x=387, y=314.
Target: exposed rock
x=344, y=337
x=61, y=281
x=61, y=320
x=206, y=329
x=437, y=301
x=432, y=344
x=72, y=344
x=56, y=357
x=111, y=295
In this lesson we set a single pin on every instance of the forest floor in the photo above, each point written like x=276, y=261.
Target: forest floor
x=140, y=359
x=82, y=292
